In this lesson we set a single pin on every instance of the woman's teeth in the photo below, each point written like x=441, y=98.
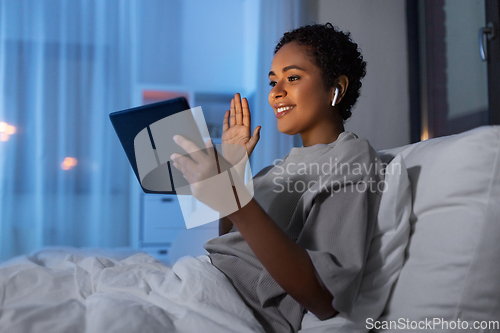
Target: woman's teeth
x=284, y=108
x=283, y=111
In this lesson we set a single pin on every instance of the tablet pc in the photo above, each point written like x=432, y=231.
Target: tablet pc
x=146, y=133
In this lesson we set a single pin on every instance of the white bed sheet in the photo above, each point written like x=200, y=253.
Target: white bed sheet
x=69, y=290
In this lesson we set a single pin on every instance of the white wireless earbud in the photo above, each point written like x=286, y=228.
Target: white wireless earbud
x=335, y=97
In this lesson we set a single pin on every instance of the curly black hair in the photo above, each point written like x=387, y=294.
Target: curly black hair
x=333, y=51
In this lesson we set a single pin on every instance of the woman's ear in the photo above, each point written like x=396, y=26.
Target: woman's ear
x=339, y=90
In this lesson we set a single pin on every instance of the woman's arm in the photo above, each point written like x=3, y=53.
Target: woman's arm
x=225, y=225
x=288, y=263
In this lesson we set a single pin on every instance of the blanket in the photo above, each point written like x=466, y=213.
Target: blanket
x=57, y=290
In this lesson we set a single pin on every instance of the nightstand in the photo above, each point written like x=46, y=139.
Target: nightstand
x=163, y=233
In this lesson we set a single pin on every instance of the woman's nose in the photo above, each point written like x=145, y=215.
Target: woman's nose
x=277, y=91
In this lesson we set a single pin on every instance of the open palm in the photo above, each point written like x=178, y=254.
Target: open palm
x=236, y=134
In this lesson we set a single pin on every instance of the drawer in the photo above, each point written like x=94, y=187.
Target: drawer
x=162, y=218
x=159, y=252
x=159, y=211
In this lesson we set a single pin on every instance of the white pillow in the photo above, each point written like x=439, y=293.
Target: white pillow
x=385, y=257
x=452, y=271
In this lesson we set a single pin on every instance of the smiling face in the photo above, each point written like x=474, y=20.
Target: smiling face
x=299, y=98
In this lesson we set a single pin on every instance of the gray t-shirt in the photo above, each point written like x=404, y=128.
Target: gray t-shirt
x=324, y=197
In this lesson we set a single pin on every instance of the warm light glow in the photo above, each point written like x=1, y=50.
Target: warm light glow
x=6, y=130
x=69, y=163
x=425, y=135
x=10, y=130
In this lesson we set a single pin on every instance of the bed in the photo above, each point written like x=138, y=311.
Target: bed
x=441, y=269
x=83, y=290
x=62, y=289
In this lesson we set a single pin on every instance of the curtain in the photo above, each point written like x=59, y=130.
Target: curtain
x=276, y=18
x=64, y=178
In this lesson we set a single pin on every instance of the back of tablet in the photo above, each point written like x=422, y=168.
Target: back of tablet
x=146, y=133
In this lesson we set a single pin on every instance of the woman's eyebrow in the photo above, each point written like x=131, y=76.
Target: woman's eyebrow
x=287, y=68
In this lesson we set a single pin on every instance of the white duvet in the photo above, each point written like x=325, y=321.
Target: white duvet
x=68, y=290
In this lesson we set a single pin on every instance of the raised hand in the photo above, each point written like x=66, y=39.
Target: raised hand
x=208, y=176
x=236, y=133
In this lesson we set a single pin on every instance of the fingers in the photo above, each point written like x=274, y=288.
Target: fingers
x=225, y=122
x=209, y=145
x=255, y=137
x=198, y=168
x=239, y=109
x=185, y=144
x=239, y=113
x=246, y=113
x=256, y=132
x=183, y=164
x=233, y=113
x=194, y=152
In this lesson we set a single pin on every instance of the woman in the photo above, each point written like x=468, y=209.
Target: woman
x=301, y=242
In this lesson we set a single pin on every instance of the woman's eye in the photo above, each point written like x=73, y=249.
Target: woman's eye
x=293, y=78
x=272, y=83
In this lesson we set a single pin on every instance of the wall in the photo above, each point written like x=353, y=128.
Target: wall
x=201, y=45
x=159, y=42
x=379, y=27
